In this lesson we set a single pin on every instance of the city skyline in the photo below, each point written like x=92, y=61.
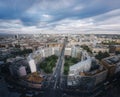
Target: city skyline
x=60, y=16
x=57, y=65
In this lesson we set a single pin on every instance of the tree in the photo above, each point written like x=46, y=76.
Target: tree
x=102, y=55
x=117, y=52
x=106, y=54
x=48, y=64
x=66, y=70
x=85, y=47
x=17, y=46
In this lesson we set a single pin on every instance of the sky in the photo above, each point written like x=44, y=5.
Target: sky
x=60, y=16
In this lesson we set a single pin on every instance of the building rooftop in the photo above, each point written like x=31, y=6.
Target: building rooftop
x=95, y=68
x=113, y=60
x=35, y=77
x=18, y=62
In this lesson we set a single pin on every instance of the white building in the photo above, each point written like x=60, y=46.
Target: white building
x=56, y=51
x=88, y=72
x=73, y=51
x=95, y=50
x=82, y=66
x=32, y=65
x=47, y=52
x=37, y=56
x=22, y=71
x=68, y=51
x=76, y=51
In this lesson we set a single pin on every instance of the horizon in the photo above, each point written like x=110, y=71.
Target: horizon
x=59, y=33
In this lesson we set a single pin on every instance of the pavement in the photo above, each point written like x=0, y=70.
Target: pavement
x=5, y=92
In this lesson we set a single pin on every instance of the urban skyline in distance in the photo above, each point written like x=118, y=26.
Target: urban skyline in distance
x=60, y=65
x=59, y=16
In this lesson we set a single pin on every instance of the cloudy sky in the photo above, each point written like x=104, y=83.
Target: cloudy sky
x=60, y=16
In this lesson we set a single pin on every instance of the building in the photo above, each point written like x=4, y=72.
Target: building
x=112, y=63
x=38, y=56
x=22, y=71
x=42, y=53
x=73, y=51
x=32, y=65
x=48, y=52
x=86, y=73
x=95, y=50
x=56, y=51
x=76, y=51
x=114, y=48
x=68, y=51
x=34, y=80
x=18, y=67
x=80, y=67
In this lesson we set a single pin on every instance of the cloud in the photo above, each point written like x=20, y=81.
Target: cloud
x=60, y=16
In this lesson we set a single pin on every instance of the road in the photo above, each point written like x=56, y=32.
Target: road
x=54, y=85
x=57, y=73
x=6, y=91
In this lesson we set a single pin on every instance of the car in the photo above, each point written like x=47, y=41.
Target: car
x=114, y=80
x=106, y=83
x=64, y=95
x=55, y=75
x=29, y=94
x=9, y=86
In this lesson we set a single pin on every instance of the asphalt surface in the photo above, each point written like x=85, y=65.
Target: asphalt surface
x=5, y=91
x=57, y=73
x=54, y=85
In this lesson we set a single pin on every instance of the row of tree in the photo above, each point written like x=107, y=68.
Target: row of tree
x=102, y=55
x=85, y=47
x=110, y=43
x=22, y=52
